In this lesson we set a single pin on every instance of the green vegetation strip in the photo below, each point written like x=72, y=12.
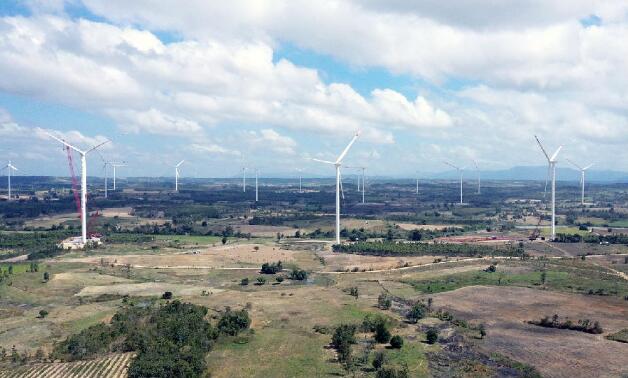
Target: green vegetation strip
x=569, y=281
x=387, y=248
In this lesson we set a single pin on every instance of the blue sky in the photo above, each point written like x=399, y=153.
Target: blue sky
x=273, y=84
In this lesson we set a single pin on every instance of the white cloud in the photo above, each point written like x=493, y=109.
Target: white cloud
x=183, y=88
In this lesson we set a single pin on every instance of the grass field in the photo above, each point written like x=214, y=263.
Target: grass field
x=556, y=278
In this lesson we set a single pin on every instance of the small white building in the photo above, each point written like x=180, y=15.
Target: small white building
x=75, y=242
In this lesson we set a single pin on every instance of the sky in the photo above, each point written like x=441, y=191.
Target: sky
x=272, y=84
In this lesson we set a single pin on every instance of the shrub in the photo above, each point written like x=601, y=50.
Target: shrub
x=353, y=291
x=279, y=279
x=244, y=281
x=491, y=269
x=482, y=329
x=396, y=342
x=166, y=295
x=417, y=312
x=342, y=339
x=232, y=322
x=379, y=360
x=382, y=334
x=261, y=280
x=43, y=313
x=46, y=276
x=299, y=275
x=389, y=371
x=431, y=335
x=383, y=301
x=272, y=268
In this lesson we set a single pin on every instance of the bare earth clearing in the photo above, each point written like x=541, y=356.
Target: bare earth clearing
x=556, y=353
x=229, y=256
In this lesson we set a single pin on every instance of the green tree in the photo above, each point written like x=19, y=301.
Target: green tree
x=431, y=335
x=379, y=360
x=383, y=301
x=46, y=276
x=43, y=314
x=224, y=240
x=417, y=312
x=382, y=334
x=396, y=342
x=342, y=339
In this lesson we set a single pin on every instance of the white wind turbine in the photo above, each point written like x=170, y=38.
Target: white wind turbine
x=338, y=164
x=363, y=179
x=551, y=171
x=244, y=179
x=582, y=170
x=300, y=170
x=117, y=165
x=83, y=182
x=176, y=175
x=9, y=167
x=256, y=184
x=477, y=169
x=460, y=170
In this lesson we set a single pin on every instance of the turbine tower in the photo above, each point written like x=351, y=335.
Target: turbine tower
x=9, y=167
x=338, y=164
x=176, y=176
x=551, y=161
x=256, y=187
x=244, y=179
x=460, y=170
x=477, y=169
x=582, y=170
x=300, y=170
x=83, y=182
x=116, y=165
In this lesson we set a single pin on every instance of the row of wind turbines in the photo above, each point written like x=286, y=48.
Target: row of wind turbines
x=338, y=163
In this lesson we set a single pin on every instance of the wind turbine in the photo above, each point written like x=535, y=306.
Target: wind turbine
x=116, y=165
x=551, y=171
x=363, y=179
x=244, y=179
x=582, y=170
x=9, y=167
x=338, y=164
x=460, y=170
x=477, y=169
x=417, y=183
x=83, y=182
x=176, y=176
x=256, y=187
x=300, y=170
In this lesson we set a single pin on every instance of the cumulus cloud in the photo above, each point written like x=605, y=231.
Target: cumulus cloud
x=186, y=87
x=500, y=72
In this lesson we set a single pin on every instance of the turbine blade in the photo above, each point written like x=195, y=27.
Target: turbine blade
x=549, y=168
x=342, y=192
x=342, y=155
x=451, y=165
x=574, y=164
x=542, y=149
x=324, y=161
x=98, y=145
x=588, y=166
x=553, y=158
x=63, y=142
x=181, y=162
